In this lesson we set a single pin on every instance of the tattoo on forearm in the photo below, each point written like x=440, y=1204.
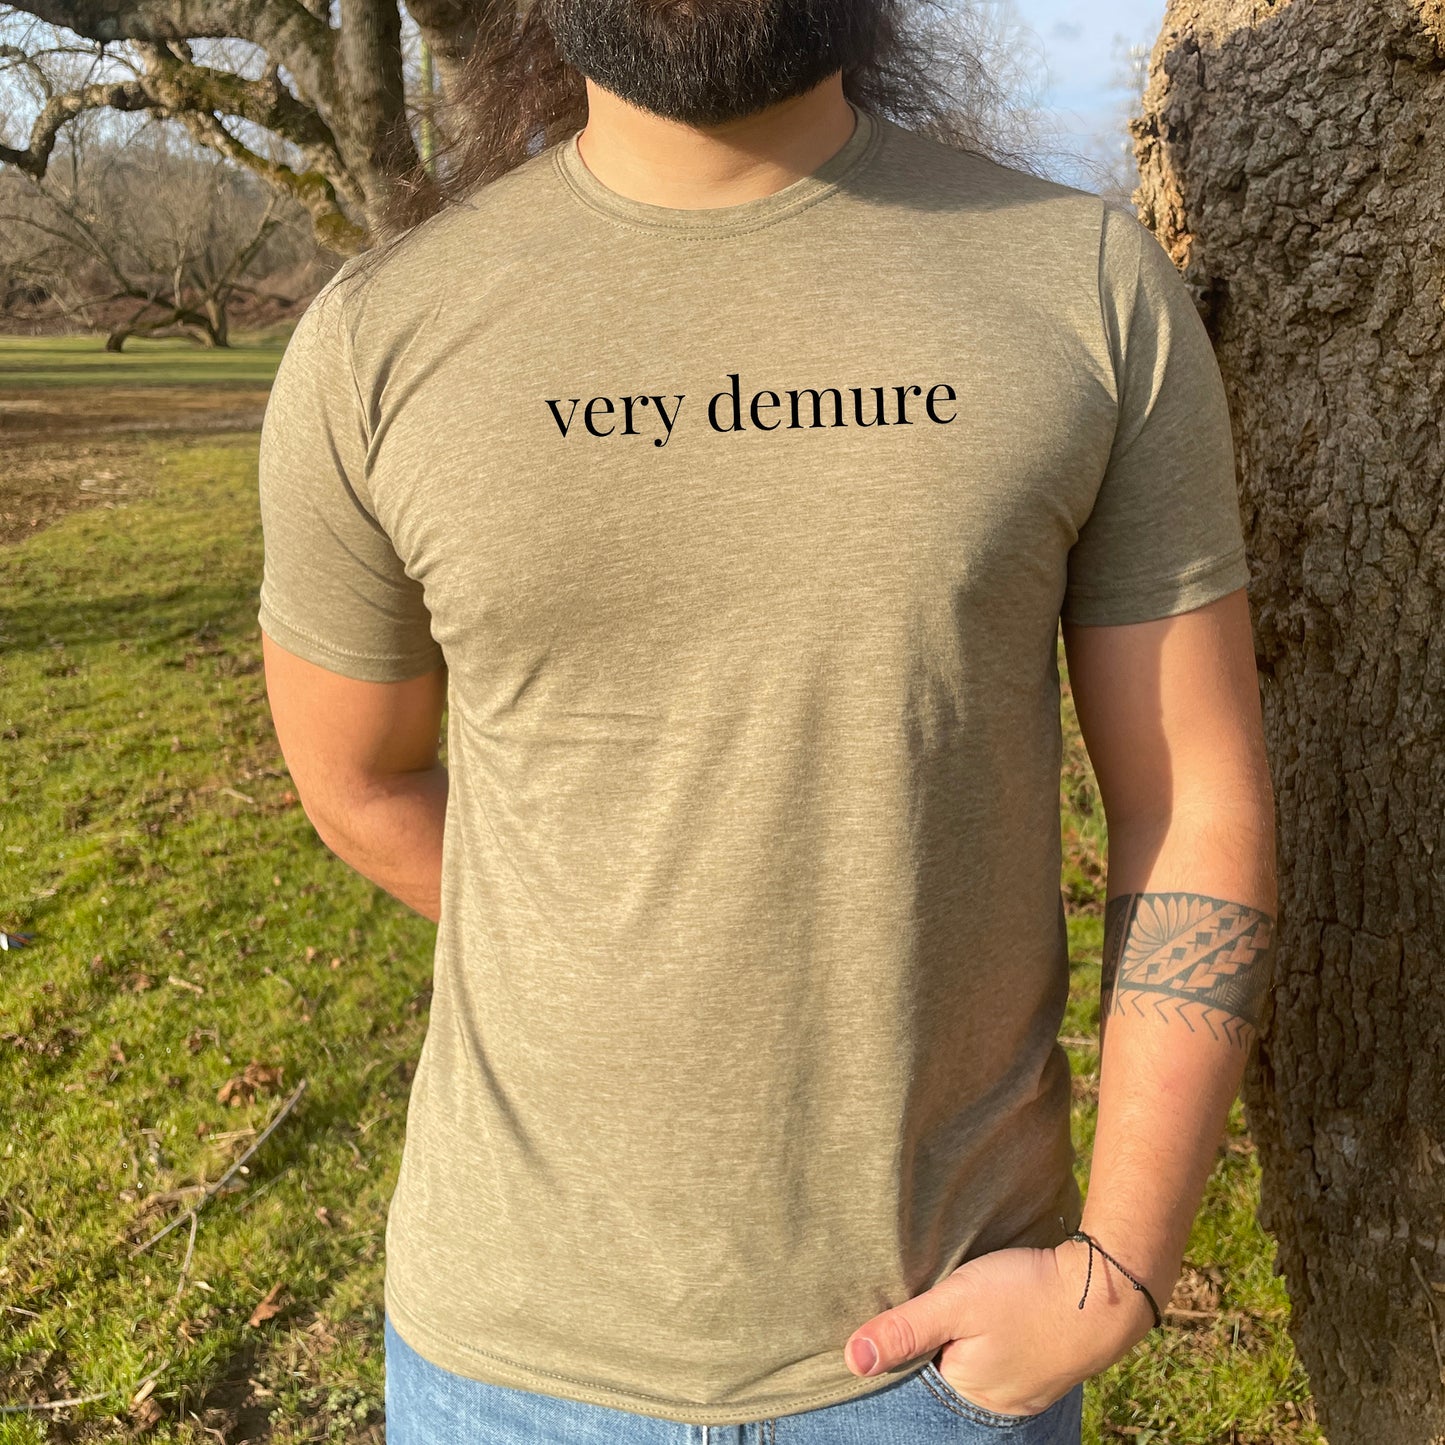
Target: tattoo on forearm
x=1188, y=956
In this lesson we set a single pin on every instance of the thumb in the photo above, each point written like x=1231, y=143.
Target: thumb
x=922, y=1325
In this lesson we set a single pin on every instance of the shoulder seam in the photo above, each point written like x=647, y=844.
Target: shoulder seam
x=1114, y=368
x=348, y=346
x=361, y=486
x=1117, y=360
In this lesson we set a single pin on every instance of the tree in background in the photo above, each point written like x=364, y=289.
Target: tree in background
x=318, y=111
x=1293, y=160
x=143, y=235
x=1116, y=172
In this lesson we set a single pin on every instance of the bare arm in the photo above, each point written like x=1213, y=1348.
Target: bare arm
x=364, y=758
x=1170, y=715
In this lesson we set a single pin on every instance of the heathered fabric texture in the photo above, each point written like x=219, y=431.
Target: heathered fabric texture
x=752, y=952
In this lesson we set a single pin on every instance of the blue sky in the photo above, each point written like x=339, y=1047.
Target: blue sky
x=1077, y=41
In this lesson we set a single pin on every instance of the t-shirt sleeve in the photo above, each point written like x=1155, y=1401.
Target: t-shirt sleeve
x=1164, y=534
x=333, y=589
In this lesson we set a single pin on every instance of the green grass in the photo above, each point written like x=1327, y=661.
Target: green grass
x=187, y=920
x=72, y=361
x=148, y=835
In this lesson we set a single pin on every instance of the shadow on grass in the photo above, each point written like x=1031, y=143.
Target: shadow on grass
x=175, y=616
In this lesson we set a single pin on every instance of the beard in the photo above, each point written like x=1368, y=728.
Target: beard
x=704, y=62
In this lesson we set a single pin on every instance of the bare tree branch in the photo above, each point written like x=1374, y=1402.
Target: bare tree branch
x=119, y=95
x=288, y=32
x=311, y=188
x=177, y=84
x=333, y=101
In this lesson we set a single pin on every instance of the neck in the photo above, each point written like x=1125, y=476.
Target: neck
x=667, y=163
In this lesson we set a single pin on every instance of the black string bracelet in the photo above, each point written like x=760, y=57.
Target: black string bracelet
x=1089, y=1273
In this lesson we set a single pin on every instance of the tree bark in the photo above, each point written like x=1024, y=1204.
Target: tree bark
x=1293, y=163
x=377, y=143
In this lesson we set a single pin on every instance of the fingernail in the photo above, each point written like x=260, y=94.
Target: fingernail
x=865, y=1356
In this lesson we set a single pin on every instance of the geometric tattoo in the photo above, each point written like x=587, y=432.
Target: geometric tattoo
x=1185, y=955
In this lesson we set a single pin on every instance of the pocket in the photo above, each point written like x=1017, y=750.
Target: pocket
x=931, y=1379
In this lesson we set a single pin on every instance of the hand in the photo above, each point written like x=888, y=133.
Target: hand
x=1012, y=1336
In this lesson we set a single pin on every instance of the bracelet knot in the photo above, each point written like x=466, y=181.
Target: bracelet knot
x=1089, y=1273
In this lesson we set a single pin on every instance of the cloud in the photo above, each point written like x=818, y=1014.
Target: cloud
x=1066, y=31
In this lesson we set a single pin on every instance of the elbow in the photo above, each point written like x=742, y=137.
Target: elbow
x=326, y=825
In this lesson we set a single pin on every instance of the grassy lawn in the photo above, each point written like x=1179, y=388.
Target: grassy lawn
x=199, y=954
x=73, y=416
x=69, y=362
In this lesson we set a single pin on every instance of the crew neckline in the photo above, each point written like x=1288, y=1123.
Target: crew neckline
x=823, y=180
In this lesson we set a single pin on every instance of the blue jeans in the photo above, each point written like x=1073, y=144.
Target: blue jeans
x=426, y=1405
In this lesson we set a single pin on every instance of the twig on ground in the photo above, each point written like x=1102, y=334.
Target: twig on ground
x=255, y=1194
x=54, y=1404
x=213, y=1189
x=225, y=1139
x=162, y=1197
x=84, y=1399
x=190, y=1249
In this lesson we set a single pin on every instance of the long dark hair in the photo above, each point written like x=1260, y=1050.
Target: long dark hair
x=927, y=71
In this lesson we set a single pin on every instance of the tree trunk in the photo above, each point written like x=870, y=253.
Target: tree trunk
x=375, y=140
x=218, y=320
x=1293, y=161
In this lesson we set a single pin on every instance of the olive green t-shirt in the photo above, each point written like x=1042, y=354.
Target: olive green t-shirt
x=744, y=535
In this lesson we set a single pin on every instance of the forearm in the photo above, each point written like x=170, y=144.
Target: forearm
x=1187, y=960
x=393, y=835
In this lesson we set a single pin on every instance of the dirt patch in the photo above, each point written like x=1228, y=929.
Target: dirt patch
x=87, y=411
x=61, y=451
x=41, y=483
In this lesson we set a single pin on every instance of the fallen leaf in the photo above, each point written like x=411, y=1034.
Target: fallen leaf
x=255, y=1078
x=268, y=1308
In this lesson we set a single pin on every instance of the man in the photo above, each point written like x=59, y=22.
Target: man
x=726, y=468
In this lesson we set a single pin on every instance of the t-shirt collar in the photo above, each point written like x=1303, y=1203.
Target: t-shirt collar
x=721, y=220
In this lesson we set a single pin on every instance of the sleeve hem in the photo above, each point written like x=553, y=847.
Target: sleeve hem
x=1161, y=597
x=362, y=667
